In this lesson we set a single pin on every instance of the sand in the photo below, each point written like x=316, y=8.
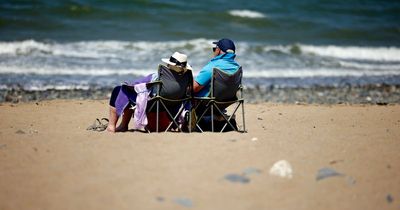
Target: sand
x=48, y=160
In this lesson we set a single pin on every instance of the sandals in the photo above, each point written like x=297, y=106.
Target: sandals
x=98, y=125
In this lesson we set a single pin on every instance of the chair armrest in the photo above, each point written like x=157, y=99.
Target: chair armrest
x=151, y=84
x=148, y=85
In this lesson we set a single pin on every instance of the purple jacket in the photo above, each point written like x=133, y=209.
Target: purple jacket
x=127, y=94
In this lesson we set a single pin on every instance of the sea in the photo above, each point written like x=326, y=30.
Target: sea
x=84, y=44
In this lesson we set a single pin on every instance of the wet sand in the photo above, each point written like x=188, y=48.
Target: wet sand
x=48, y=160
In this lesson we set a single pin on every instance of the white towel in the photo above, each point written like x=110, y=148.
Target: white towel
x=140, y=117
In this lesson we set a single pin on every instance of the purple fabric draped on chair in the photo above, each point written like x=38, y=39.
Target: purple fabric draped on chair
x=128, y=94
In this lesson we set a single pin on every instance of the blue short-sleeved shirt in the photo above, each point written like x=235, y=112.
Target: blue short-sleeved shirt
x=226, y=62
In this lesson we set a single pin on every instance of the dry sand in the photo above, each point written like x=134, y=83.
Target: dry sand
x=49, y=161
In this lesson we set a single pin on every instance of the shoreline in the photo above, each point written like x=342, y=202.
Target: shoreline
x=380, y=94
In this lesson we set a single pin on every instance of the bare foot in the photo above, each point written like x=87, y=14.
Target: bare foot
x=110, y=128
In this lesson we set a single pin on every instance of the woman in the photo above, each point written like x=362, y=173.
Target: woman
x=121, y=95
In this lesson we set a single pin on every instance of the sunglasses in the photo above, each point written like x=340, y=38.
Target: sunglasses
x=173, y=60
x=214, y=48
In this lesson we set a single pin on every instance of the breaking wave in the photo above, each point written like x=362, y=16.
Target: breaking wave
x=246, y=14
x=74, y=63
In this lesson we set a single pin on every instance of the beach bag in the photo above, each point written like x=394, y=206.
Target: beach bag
x=164, y=121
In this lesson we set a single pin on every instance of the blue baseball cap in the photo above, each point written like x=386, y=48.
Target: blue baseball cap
x=225, y=45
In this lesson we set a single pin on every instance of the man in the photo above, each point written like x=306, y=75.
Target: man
x=224, y=59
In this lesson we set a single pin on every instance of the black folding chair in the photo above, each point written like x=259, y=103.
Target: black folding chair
x=172, y=90
x=226, y=90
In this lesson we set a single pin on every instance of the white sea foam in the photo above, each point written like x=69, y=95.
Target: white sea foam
x=72, y=71
x=101, y=58
x=22, y=47
x=385, y=54
x=322, y=72
x=95, y=49
x=246, y=14
x=143, y=49
x=370, y=66
x=56, y=87
x=351, y=52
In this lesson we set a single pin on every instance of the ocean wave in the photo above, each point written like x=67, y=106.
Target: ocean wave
x=384, y=54
x=72, y=71
x=23, y=47
x=370, y=66
x=110, y=57
x=322, y=72
x=41, y=87
x=246, y=14
x=145, y=49
x=56, y=87
x=357, y=53
x=95, y=49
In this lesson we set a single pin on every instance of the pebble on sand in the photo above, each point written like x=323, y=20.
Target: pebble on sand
x=389, y=198
x=20, y=132
x=237, y=178
x=185, y=202
x=160, y=199
x=324, y=173
x=282, y=169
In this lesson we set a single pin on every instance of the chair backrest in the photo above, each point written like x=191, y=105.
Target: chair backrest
x=224, y=86
x=174, y=85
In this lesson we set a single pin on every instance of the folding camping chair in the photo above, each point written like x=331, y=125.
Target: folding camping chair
x=224, y=92
x=172, y=90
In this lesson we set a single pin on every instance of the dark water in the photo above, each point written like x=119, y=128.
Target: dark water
x=371, y=22
x=79, y=44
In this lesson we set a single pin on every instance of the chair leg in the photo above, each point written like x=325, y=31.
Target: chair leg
x=172, y=117
x=228, y=120
x=190, y=117
x=244, y=124
x=212, y=117
x=198, y=127
x=157, y=115
x=201, y=116
x=151, y=107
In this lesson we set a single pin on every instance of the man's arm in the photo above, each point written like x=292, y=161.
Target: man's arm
x=196, y=86
x=204, y=77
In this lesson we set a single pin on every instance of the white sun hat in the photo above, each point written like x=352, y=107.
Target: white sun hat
x=177, y=59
